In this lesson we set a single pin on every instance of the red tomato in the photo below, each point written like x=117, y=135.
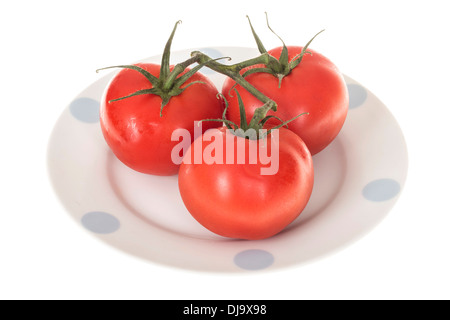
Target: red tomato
x=237, y=201
x=134, y=129
x=315, y=86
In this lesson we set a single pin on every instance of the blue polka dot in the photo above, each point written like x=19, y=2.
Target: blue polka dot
x=100, y=222
x=357, y=95
x=253, y=259
x=381, y=190
x=85, y=109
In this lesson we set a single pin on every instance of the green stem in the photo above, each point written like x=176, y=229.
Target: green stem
x=262, y=59
x=233, y=71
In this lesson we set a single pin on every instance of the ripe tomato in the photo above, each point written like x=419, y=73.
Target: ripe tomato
x=133, y=127
x=315, y=86
x=238, y=201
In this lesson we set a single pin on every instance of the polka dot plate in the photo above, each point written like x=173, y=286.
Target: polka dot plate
x=358, y=178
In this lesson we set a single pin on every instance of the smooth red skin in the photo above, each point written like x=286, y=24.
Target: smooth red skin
x=236, y=201
x=315, y=86
x=133, y=128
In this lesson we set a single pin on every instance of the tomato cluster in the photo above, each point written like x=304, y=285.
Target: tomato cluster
x=249, y=172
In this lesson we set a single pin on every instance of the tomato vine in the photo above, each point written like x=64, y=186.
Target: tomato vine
x=170, y=83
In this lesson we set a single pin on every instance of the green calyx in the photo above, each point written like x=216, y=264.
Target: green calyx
x=253, y=129
x=280, y=67
x=169, y=83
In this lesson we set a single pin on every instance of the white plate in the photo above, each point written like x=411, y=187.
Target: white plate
x=357, y=181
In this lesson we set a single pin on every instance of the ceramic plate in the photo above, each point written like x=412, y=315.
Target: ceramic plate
x=358, y=178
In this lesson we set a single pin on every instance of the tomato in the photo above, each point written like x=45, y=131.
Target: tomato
x=237, y=199
x=314, y=86
x=135, y=130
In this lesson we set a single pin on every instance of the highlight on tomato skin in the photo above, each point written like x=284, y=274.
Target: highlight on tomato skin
x=234, y=199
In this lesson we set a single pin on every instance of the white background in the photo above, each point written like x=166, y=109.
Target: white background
x=399, y=50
